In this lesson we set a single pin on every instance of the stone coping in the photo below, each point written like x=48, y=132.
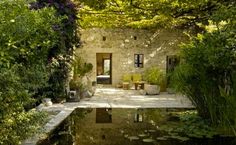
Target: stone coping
x=51, y=125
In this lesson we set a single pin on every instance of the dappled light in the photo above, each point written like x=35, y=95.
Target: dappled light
x=116, y=98
x=167, y=66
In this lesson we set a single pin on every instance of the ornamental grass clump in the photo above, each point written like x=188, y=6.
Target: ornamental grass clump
x=207, y=76
x=153, y=76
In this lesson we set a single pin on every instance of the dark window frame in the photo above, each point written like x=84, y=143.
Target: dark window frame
x=104, y=38
x=139, y=60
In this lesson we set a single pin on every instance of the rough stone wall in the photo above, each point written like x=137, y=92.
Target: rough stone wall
x=155, y=45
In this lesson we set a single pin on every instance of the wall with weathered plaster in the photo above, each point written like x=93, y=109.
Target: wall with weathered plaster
x=155, y=45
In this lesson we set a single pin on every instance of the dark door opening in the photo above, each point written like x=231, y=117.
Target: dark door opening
x=171, y=62
x=103, y=115
x=104, y=69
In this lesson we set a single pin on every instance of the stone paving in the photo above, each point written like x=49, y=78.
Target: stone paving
x=110, y=98
x=119, y=98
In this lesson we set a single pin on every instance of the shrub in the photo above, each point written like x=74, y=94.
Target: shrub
x=206, y=76
x=63, y=50
x=80, y=69
x=26, y=38
x=153, y=76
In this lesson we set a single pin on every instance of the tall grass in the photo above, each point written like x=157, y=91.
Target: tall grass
x=207, y=77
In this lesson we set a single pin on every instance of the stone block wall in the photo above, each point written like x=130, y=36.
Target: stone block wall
x=124, y=43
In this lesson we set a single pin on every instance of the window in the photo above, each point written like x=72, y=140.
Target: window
x=104, y=38
x=138, y=60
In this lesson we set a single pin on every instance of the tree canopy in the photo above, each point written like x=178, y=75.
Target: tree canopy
x=149, y=13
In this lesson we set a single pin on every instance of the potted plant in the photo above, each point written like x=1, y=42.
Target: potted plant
x=77, y=86
x=154, y=77
x=73, y=95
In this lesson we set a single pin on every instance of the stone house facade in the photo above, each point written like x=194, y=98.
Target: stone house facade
x=127, y=51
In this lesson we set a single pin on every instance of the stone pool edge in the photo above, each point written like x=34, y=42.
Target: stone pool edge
x=52, y=124
x=66, y=109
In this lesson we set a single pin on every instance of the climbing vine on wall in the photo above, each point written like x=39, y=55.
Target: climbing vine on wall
x=60, y=55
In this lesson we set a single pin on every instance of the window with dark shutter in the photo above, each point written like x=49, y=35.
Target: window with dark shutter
x=138, y=60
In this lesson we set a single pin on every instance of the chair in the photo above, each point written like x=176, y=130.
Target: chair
x=127, y=79
x=137, y=80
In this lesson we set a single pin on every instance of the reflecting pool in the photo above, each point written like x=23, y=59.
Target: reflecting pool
x=106, y=126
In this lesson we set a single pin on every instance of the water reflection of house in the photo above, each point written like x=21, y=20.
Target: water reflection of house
x=103, y=115
x=115, y=52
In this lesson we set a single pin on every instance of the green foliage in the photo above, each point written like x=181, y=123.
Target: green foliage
x=80, y=69
x=76, y=84
x=153, y=76
x=59, y=68
x=60, y=54
x=206, y=75
x=26, y=35
x=26, y=38
x=18, y=127
x=189, y=125
x=127, y=78
x=149, y=13
x=14, y=95
x=180, y=125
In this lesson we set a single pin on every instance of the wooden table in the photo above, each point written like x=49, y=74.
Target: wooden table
x=125, y=85
x=139, y=85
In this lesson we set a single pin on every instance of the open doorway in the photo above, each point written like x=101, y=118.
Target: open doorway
x=171, y=62
x=104, y=69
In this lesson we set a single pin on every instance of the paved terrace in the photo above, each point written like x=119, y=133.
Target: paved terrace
x=110, y=98
x=119, y=98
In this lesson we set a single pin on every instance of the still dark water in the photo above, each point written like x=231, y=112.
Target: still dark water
x=104, y=126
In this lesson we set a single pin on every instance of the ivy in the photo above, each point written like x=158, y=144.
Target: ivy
x=62, y=52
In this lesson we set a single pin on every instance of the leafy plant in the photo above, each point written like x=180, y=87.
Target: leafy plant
x=152, y=14
x=26, y=39
x=76, y=84
x=153, y=76
x=63, y=50
x=189, y=125
x=80, y=69
x=206, y=75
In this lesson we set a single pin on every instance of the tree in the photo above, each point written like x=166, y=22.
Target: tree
x=148, y=13
x=61, y=53
x=207, y=73
x=26, y=39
